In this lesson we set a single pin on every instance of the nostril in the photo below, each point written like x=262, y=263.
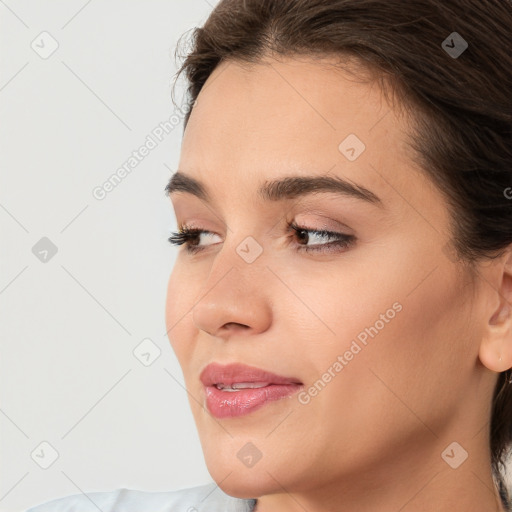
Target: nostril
x=235, y=325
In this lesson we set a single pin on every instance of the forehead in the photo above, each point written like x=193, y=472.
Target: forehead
x=262, y=121
x=294, y=98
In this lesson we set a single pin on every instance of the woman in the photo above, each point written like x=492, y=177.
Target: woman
x=341, y=305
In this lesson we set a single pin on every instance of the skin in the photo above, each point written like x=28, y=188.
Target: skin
x=372, y=439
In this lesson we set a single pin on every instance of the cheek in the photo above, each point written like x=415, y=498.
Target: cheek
x=179, y=300
x=395, y=316
x=400, y=342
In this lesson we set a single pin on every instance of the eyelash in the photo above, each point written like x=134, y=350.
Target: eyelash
x=186, y=234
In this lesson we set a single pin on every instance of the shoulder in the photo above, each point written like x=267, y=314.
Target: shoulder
x=202, y=498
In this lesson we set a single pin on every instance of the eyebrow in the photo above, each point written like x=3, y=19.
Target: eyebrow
x=288, y=187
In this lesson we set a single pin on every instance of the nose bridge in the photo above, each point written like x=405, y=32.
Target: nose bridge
x=242, y=259
x=235, y=290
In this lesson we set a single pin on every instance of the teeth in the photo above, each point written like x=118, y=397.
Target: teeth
x=242, y=385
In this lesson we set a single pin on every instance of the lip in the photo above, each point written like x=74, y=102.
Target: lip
x=223, y=404
x=229, y=374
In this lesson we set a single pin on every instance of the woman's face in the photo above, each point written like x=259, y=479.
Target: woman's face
x=379, y=331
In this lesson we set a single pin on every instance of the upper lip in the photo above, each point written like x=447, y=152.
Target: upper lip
x=216, y=373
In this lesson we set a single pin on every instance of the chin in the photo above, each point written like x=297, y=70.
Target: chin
x=239, y=481
x=246, y=486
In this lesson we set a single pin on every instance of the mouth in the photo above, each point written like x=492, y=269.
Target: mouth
x=240, y=376
x=237, y=386
x=237, y=389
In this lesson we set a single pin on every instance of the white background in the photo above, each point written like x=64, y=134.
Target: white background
x=69, y=326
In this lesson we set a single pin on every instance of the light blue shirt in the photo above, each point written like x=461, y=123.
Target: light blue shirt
x=202, y=498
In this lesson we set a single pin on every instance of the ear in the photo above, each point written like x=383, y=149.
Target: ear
x=496, y=345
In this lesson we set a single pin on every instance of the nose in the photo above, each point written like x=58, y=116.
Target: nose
x=234, y=300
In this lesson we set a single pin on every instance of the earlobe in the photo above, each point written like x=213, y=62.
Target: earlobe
x=493, y=359
x=496, y=345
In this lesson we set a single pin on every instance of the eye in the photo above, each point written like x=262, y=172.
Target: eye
x=339, y=241
x=191, y=238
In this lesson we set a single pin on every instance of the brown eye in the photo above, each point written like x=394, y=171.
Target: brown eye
x=339, y=241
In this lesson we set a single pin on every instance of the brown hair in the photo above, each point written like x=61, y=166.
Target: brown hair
x=460, y=104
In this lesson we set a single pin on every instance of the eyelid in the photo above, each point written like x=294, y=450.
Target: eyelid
x=321, y=221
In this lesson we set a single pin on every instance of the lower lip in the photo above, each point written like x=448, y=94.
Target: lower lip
x=225, y=404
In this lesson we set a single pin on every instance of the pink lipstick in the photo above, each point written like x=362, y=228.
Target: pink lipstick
x=236, y=389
